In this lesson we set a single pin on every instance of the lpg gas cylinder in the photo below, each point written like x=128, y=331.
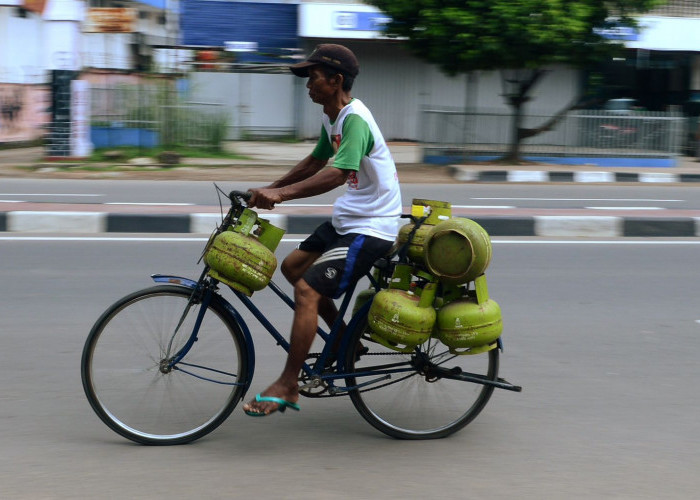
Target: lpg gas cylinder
x=398, y=321
x=431, y=212
x=240, y=261
x=465, y=325
x=415, y=247
x=457, y=250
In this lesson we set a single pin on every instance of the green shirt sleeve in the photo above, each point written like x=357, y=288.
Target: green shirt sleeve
x=323, y=149
x=357, y=142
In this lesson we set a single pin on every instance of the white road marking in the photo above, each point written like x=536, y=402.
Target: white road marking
x=625, y=208
x=307, y=205
x=496, y=207
x=52, y=194
x=651, y=200
x=151, y=204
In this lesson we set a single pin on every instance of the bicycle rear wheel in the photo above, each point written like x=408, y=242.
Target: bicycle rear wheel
x=126, y=376
x=415, y=403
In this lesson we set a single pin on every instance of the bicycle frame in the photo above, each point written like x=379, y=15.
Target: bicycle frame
x=329, y=337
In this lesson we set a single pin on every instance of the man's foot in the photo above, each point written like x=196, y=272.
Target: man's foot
x=271, y=400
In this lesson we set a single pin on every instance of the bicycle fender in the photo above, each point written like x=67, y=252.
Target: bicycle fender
x=173, y=280
x=233, y=315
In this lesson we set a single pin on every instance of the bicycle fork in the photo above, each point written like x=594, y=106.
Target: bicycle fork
x=168, y=363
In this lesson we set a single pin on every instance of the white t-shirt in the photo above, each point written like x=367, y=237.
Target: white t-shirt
x=371, y=204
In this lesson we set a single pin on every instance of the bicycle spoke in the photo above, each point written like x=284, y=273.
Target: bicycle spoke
x=421, y=404
x=129, y=379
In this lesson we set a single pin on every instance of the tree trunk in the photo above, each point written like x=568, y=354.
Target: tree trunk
x=516, y=87
x=515, y=138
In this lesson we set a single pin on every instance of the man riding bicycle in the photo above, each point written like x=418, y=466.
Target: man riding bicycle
x=365, y=219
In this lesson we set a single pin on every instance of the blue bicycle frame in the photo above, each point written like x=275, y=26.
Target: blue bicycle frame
x=329, y=337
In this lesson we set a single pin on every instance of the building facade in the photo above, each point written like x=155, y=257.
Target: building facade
x=234, y=53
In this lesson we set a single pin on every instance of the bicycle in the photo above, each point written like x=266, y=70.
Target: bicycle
x=168, y=364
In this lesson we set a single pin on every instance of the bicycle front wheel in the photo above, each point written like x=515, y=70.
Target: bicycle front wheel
x=407, y=397
x=133, y=387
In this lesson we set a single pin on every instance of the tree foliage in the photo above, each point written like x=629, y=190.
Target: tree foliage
x=526, y=35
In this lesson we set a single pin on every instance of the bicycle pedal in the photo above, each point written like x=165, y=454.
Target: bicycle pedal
x=314, y=383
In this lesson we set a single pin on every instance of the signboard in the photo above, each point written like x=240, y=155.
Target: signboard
x=667, y=33
x=626, y=33
x=241, y=46
x=338, y=20
x=360, y=21
x=110, y=20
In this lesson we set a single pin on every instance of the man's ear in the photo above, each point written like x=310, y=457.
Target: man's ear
x=338, y=79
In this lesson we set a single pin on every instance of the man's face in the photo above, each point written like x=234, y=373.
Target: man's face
x=320, y=88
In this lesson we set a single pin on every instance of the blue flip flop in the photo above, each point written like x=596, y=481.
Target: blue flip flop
x=283, y=405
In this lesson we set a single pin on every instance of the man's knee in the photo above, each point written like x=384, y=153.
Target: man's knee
x=305, y=295
x=295, y=264
x=289, y=270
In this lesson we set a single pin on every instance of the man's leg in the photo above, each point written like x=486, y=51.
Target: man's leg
x=303, y=332
x=293, y=268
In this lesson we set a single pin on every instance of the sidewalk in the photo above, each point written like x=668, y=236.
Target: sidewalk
x=268, y=160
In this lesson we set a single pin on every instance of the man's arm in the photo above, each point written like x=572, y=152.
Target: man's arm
x=322, y=182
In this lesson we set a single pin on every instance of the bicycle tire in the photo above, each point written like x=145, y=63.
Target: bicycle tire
x=121, y=367
x=408, y=405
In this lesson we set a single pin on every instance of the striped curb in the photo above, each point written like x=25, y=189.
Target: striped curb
x=536, y=176
x=205, y=223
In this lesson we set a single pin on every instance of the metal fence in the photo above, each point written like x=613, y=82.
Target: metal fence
x=154, y=115
x=579, y=133
x=677, y=8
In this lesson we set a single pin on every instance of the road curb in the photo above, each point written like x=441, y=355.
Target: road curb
x=205, y=223
x=465, y=174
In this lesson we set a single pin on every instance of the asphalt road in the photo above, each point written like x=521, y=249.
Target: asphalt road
x=602, y=335
x=597, y=198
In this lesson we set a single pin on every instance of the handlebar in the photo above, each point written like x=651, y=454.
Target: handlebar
x=238, y=196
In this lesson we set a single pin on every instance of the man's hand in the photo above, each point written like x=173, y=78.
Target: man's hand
x=264, y=198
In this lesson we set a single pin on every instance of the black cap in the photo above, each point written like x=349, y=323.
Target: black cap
x=330, y=54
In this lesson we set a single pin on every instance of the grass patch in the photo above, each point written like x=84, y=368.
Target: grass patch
x=129, y=152
x=87, y=167
x=21, y=144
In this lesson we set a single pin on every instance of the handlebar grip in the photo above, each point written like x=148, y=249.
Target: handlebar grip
x=241, y=195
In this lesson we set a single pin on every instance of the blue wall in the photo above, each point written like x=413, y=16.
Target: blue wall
x=211, y=23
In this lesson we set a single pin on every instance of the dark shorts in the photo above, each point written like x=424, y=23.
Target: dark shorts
x=344, y=258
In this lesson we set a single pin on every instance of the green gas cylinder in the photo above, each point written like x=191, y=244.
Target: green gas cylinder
x=470, y=324
x=415, y=247
x=243, y=256
x=398, y=321
x=431, y=212
x=240, y=261
x=457, y=250
x=466, y=324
